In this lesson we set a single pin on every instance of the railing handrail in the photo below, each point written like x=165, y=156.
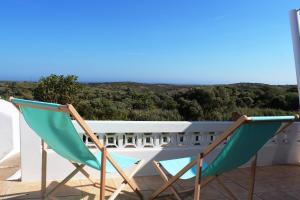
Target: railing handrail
x=155, y=126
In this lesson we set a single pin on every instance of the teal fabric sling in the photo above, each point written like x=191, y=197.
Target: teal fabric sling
x=242, y=146
x=58, y=131
x=244, y=143
x=175, y=165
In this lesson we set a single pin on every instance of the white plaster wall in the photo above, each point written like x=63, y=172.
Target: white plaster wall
x=9, y=129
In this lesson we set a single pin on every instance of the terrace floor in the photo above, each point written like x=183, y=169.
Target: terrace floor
x=274, y=182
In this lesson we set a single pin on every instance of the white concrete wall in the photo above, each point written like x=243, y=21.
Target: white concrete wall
x=9, y=129
x=282, y=149
x=295, y=31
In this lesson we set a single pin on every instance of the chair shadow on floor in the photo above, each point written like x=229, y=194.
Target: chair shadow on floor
x=64, y=191
x=74, y=191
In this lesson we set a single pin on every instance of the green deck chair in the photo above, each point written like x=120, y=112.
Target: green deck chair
x=52, y=123
x=245, y=137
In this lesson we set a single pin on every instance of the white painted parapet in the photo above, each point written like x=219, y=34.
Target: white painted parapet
x=150, y=140
x=295, y=31
x=9, y=129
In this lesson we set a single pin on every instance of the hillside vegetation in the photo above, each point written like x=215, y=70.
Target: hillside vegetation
x=135, y=101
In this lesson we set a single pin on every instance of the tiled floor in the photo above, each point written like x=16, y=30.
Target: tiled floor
x=272, y=183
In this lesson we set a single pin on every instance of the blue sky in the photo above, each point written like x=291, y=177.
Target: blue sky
x=154, y=41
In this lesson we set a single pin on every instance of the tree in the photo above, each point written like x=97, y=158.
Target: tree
x=190, y=110
x=11, y=89
x=57, y=89
x=132, y=101
x=142, y=101
x=278, y=102
x=292, y=101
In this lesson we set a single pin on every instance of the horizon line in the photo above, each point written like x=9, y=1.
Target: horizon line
x=158, y=83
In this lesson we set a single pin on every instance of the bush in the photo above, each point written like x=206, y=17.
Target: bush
x=57, y=89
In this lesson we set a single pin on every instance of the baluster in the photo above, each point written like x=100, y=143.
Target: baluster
x=121, y=140
x=156, y=141
x=140, y=140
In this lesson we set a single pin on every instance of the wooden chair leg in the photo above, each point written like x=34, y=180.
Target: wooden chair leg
x=198, y=177
x=91, y=134
x=64, y=181
x=103, y=174
x=85, y=173
x=203, y=185
x=124, y=183
x=232, y=196
x=173, y=179
x=165, y=179
x=44, y=170
x=252, y=178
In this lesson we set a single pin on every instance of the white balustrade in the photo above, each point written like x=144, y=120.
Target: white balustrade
x=117, y=138
x=150, y=140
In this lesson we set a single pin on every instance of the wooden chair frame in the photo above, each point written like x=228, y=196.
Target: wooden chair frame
x=199, y=184
x=79, y=168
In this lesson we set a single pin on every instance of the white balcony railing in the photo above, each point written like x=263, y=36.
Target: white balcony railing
x=150, y=140
x=129, y=134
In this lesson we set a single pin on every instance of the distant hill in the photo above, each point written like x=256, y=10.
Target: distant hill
x=140, y=101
